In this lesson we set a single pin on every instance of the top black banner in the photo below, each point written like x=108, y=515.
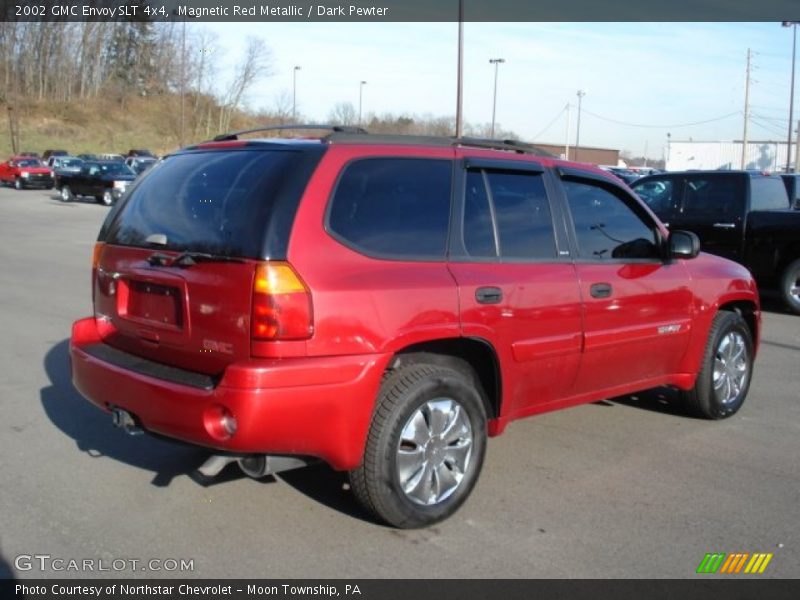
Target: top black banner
x=399, y=10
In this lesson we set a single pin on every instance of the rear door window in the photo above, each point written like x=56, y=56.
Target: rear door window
x=393, y=207
x=507, y=214
x=713, y=197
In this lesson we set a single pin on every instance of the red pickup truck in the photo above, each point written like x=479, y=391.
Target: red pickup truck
x=26, y=172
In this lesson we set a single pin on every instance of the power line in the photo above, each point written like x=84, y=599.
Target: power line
x=766, y=126
x=549, y=125
x=674, y=126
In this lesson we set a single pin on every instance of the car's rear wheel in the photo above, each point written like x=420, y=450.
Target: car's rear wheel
x=66, y=194
x=724, y=379
x=790, y=286
x=425, y=446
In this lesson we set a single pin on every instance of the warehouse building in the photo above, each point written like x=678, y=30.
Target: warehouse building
x=584, y=154
x=761, y=155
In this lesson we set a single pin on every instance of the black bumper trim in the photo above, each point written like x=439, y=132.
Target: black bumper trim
x=144, y=366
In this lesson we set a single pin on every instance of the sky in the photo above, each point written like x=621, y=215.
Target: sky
x=642, y=81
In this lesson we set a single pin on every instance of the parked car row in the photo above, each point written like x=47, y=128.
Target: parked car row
x=102, y=176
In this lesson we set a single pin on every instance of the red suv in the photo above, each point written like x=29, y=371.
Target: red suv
x=385, y=303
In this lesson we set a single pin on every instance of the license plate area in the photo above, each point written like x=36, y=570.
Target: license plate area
x=151, y=303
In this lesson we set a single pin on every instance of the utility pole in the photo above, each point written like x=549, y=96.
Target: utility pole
x=13, y=130
x=746, y=109
x=460, y=77
x=797, y=150
x=793, y=25
x=645, y=153
x=566, y=138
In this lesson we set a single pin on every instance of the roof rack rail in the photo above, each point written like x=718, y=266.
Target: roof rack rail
x=426, y=140
x=234, y=135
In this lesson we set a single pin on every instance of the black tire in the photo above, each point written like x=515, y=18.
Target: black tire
x=66, y=194
x=431, y=393
x=18, y=184
x=790, y=286
x=106, y=199
x=727, y=369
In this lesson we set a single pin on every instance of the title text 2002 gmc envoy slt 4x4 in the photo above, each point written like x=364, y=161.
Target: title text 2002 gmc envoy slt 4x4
x=385, y=303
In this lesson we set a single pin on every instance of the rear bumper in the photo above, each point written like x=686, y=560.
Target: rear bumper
x=317, y=407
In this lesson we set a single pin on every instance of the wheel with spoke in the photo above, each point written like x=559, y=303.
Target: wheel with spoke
x=724, y=379
x=425, y=446
x=790, y=286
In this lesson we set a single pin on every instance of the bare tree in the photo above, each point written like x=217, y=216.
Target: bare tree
x=255, y=65
x=343, y=113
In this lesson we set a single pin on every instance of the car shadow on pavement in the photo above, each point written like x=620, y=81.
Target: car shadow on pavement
x=662, y=400
x=328, y=487
x=771, y=302
x=5, y=569
x=94, y=434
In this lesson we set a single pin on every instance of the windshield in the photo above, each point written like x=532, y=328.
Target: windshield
x=29, y=162
x=69, y=162
x=116, y=169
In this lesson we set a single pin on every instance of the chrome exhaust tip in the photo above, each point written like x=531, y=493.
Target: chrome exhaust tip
x=125, y=421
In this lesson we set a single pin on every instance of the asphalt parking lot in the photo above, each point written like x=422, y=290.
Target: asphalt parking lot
x=629, y=488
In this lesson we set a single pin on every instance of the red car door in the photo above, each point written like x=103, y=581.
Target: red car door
x=637, y=306
x=517, y=285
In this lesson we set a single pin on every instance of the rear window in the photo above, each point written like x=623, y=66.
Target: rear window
x=768, y=193
x=219, y=202
x=393, y=207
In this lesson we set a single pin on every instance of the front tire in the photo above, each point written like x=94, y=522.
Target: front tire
x=790, y=286
x=724, y=379
x=425, y=447
x=66, y=194
x=18, y=185
x=107, y=199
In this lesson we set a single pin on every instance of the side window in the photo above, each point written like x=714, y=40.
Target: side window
x=713, y=197
x=394, y=206
x=513, y=216
x=605, y=226
x=658, y=194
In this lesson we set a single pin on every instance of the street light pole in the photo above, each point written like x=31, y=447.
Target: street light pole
x=360, y=98
x=496, y=62
x=294, y=94
x=581, y=94
x=793, y=25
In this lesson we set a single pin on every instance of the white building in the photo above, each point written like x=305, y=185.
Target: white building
x=763, y=156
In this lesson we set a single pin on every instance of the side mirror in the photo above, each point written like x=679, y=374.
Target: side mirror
x=683, y=244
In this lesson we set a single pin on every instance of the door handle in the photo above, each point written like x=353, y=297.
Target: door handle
x=600, y=290
x=488, y=295
x=725, y=225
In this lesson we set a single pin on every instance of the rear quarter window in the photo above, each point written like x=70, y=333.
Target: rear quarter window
x=393, y=207
x=768, y=193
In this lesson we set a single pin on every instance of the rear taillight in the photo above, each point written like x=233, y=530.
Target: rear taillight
x=281, y=304
x=96, y=255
